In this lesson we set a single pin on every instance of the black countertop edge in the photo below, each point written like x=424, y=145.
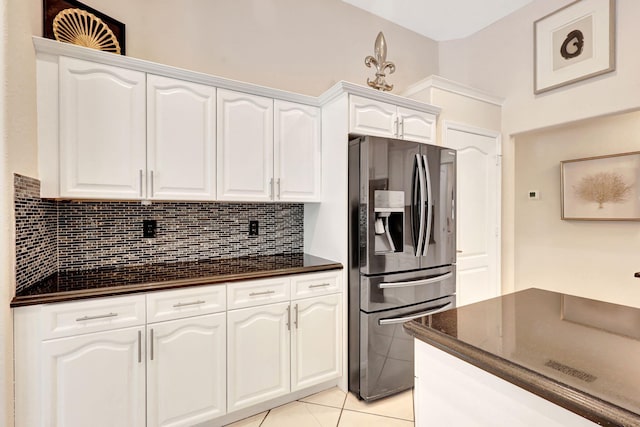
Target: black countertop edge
x=45, y=298
x=576, y=401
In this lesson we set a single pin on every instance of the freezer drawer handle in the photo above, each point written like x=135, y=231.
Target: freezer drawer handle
x=395, y=320
x=440, y=278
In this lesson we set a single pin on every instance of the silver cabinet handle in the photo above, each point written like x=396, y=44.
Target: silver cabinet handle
x=139, y=346
x=401, y=128
x=255, y=294
x=278, y=184
x=141, y=183
x=271, y=188
x=395, y=320
x=440, y=278
x=184, y=304
x=319, y=285
x=295, y=321
x=288, y=318
x=151, y=344
x=396, y=124
x=152, y=191
x=101, y=316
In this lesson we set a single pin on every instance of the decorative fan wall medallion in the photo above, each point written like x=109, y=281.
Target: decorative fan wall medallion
x=79, y=27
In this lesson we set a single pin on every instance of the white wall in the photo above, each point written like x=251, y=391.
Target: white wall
x=499, y=60
x=594, y=259
x=304, y=46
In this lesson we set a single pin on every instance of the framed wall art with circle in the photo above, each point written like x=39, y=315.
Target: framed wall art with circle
x=574, y=43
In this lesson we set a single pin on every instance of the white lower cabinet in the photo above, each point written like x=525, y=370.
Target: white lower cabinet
x=178, y=357
x=95, y=379
x=316, y=341
x=186, y=370
x=258, y=354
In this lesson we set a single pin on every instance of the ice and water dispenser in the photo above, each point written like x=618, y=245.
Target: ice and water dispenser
x=389, y=221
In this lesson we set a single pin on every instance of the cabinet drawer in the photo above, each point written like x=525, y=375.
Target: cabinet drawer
x=103, y=314
x=170, y=305
x=258, y=292
x=308, y=285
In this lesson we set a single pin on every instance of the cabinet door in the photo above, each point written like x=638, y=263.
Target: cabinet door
x=297, y=152
x=316, y=344
x=416, y=125
x=102, y=131
x=94, y=380
x=244, y=147
x=257, y=354
x=369, y=117
x=181, y=139
x=186, y=370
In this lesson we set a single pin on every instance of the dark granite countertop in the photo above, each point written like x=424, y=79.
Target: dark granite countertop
x=581, y=354
x=73, y=285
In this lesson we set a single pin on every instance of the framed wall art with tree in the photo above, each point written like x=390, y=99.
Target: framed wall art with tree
x=604, y=188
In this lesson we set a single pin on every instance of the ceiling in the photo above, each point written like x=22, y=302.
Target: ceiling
x=441, y=19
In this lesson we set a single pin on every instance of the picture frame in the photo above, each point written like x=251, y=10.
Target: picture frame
x=51, y=8
x=603, y=188
x=574, y=43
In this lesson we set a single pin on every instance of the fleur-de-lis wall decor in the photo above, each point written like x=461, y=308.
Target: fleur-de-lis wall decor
x=380, y=62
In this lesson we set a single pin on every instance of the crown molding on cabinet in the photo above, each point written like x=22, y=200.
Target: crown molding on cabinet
x=45, y=46
x=352, y=88
x=441, y=83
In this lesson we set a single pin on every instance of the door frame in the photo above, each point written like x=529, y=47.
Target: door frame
x=448, y=125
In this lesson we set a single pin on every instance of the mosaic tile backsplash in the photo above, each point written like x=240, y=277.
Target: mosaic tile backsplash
x=89, y=235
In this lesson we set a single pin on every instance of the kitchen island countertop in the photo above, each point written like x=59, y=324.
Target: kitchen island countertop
x=111, y=281
x=578, y=353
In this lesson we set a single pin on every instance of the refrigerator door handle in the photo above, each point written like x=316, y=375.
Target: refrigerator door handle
x=429, y=205
x=386, y=285
x=421, y=204
x=403, y=319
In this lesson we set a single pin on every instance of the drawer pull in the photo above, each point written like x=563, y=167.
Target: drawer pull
x=319, y=285
x=184, y=304
x=102, y=316
x=255, y=294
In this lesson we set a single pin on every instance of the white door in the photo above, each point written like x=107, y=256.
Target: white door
x=258, y=354
x=370, y=117
x=102, y=131
x=244, y=147
x=478, y=211
x=316, y=343
x=186, y=370
x=94, y=380
x=297, y=152
x=416, y=125
x=181, y=138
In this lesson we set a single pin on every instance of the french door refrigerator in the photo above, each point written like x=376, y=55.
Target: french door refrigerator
x=401, y=254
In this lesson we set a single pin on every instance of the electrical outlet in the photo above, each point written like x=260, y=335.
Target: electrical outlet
x=253, y=228
x=149, y=228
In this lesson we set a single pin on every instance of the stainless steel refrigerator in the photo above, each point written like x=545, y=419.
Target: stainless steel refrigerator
x=401, y=254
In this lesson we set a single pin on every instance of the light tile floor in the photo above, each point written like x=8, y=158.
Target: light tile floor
x=334, y=408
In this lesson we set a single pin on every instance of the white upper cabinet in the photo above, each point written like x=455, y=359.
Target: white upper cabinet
x=297, y=152
x=102, y=131
x=245, y=147
x=181, y=139
x=372, y=117
x=267, y=150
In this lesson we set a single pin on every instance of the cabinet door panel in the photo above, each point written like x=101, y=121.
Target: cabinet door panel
x=102, y=131
x=186, y=371
x=297, y=152
x=416, y=126
x=95, y=379
x=316, y=344
x=244, y=147
x=181, y=139
x=257, y=354
x=369, y=117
